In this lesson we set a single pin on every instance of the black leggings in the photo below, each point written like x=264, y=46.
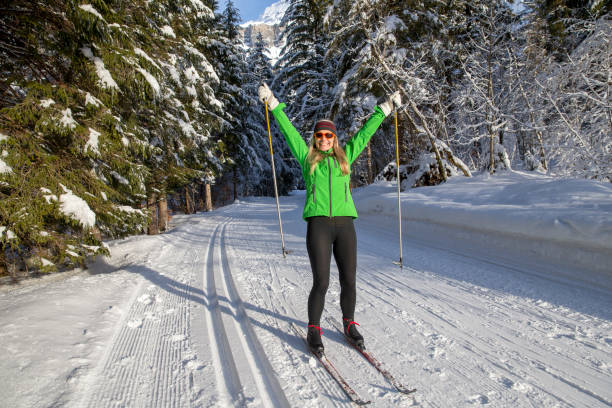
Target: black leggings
x=324, y=236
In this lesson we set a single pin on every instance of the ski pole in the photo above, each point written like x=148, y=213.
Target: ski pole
x=399, y=202
x=275, y=187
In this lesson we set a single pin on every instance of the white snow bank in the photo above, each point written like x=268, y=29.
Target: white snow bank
x=574, y=213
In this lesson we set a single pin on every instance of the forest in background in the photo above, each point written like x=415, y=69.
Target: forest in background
x=111, y=110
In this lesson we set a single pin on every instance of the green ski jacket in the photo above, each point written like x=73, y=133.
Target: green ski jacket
x=327, y=189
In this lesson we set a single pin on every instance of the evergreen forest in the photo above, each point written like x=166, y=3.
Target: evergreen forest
x=113, y=111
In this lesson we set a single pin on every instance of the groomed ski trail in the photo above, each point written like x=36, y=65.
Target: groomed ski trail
x=207, y=323
x=182, y=332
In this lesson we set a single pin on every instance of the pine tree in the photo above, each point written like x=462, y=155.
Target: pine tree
x=304, y=76
x=114, y=108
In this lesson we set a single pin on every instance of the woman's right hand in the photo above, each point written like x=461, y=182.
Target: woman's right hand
x=266, y=96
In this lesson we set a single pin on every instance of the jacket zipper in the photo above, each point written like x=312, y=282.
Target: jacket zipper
x=330, y=188
x=345, y=195
x=313, y=194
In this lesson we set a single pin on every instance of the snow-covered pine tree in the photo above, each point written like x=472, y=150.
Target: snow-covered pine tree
x=107, y=104
x=303, y=75
x=254, y=151
x=383, y=46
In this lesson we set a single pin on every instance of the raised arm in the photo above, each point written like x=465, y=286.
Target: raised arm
x=355, y=146
x=298, y=147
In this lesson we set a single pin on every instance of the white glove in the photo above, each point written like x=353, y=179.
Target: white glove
x=392, y=103
x=266, y=96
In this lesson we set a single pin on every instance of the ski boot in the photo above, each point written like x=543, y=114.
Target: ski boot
x=314, y=339
x=351, y=333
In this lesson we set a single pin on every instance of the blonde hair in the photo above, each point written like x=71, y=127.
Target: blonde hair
x=315, y=156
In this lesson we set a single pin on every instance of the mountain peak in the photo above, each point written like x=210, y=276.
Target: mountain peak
x=272, y=15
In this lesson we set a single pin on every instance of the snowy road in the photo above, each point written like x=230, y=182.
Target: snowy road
x=201, y=318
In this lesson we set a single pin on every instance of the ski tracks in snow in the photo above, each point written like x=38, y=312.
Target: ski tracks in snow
x=209, y=325
x=185, y=328
x=244, y=354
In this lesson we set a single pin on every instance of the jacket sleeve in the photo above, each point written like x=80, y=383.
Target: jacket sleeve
x=298, y=147
x=355, y=146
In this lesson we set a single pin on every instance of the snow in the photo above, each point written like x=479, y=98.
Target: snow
x=203, y=10
x=523, y=206
x=92, y=142
x=9, y=234
x=46, y=262
x=151, y=80
x=272, y=15
x=143, y=54
x=3, y=137
x=92, y=100
x=76, y=208
x=206, y=66
x=67, y=120
x=5, y=168
x=48, y=195
x=45, y=103
x=393, y=23
x=128, y=209
x=90, y=9
x=199, y=315
x=104, y=76
x=168, y=31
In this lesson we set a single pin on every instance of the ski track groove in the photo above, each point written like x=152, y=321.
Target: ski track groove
x=229, y=387
x=267, y=384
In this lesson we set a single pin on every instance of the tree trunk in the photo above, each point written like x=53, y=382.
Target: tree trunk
x=490, y=119
x=162, y=222
x=152, y=206
x=432, y=138
x=188, y=206
x=235, y=184
x=208, y=197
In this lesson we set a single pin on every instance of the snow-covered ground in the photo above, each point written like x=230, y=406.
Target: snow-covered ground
x=504, y=300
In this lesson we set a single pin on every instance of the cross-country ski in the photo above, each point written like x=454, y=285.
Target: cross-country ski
x=367, y=354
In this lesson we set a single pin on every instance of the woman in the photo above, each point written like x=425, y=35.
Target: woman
x=329, y=208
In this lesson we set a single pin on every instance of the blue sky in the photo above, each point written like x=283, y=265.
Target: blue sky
x=249, y=9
